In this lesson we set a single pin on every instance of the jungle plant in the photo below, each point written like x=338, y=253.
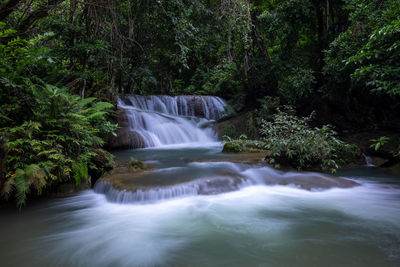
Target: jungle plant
x=379, y=142
x=242, y=144
x=293, y=142
x=51, y=135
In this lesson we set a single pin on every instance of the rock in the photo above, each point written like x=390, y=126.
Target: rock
x=243, y=123
x=231, y=147
x=310, y=181
x=103, y=162
x=126, y=139
x=69, y=189
x=122, y=118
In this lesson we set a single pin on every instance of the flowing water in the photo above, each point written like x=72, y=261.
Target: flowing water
x=166, y=120
x=199, y=208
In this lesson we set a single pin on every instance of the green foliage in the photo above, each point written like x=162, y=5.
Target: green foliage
x=51, y=135
x=242, y=144
x=63, y=139
x=293, y=142
x=363, y=61
x=80, y=171
x=377, y=63
x=379, y=142
x=136, y=164
x=267, y=109
x=297, y=85
x=33, y=176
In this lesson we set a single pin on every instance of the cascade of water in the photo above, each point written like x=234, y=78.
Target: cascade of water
x=224, y=177
x=196, y=187
x=209, y=107
x=368, y=161
x=165, y=120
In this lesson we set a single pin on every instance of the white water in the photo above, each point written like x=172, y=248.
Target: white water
x=256, y=226
x=192, y=213
x=166, y=120
x=209, y=107
x=207, y=178
x=368, y=161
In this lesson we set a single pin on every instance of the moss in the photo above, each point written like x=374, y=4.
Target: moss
x=232, y=147
x=243, y=145
x=136, y=164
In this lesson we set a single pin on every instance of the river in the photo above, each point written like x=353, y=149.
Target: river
x=236, y=215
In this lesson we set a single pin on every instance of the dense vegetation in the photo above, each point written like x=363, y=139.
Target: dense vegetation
x=62, y=60
x=290, y=141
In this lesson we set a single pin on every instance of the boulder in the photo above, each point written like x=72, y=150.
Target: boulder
x=126, y=139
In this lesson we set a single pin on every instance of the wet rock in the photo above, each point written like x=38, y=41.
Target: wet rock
x=126, y=139
x=69, y=189
x=243, y=123
x=103, y=161
x=310, y=181
x=241, y=157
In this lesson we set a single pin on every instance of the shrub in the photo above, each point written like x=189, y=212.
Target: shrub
x=241, y=145
x=60, y=145
x=293, y=142
x=48, y=135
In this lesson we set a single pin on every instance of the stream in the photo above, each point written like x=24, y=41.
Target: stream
x=201, y=207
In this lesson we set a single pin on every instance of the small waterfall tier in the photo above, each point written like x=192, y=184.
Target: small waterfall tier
x=152, y=121
x=209, y=107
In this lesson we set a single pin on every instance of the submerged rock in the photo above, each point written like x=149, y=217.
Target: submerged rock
x=310, y=181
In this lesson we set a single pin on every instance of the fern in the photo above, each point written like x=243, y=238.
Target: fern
x=22, y=181
x=51, y=134
x=22, y=188
x=80, y=170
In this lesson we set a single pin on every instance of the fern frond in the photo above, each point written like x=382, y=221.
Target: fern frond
x=85, y=101
x=7, y=188
x=22, y=188
x=96, y=114
x=102, y=105
x=35, y=176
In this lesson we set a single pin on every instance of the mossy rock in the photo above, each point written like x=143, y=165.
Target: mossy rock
x=135, y=164
x=231, y=147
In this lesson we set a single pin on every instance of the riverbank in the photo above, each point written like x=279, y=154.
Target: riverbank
x=361, y=142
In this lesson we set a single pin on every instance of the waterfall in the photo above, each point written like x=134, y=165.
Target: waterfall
x=212, y=186
x=152, y=121
x=368, y=161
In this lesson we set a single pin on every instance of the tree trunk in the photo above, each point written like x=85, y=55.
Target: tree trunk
x=327, y=17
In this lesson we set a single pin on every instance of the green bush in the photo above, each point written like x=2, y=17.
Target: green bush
x=242, y=145
x=60, y=144
x=49, y=135
x=293, y=142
